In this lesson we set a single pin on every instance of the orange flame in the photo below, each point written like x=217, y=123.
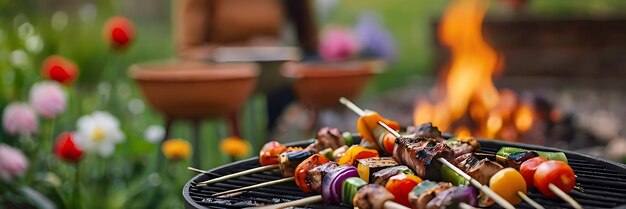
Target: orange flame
x=469, y=89
x=463, y=131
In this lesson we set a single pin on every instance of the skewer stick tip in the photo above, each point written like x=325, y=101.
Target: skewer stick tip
x=195, y=170
x=351, y=106
x=242, y=173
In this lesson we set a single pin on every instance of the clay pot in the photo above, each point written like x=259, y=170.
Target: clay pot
x=319, y=85
x=194, y=89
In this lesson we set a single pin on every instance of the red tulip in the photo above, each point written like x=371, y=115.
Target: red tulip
x=119, y=32
x=66, y=149
x=58, y=68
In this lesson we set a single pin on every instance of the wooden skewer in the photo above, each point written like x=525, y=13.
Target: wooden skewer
x=351, y=106
x=196, y=170
x=564, y=196
x=242, y=173
x=283, y=180
x=531, y=202
x=497, y=198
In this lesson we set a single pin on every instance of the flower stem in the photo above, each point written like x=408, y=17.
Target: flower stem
x=76, y=200
x=49, y=144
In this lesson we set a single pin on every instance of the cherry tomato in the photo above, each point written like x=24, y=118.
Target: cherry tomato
x=506, y=183
x=554, y=172
x=269, y=153
x=400, y=185
x=301, y=173
x=528, y=167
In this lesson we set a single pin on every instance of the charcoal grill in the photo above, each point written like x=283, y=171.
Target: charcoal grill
x=602, y=183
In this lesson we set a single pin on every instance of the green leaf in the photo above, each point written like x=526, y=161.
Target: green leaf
x=36, y=198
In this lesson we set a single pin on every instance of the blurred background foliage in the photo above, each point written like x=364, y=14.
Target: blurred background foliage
x=130, y=179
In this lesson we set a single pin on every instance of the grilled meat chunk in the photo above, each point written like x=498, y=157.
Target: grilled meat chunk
x=371, y=196
x=481, y=170
x=426, y=130
x=317, y=174
x=327, y=138
x=421, y=154
x=381, y=177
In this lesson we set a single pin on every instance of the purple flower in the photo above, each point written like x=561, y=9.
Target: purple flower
x=376, y=41
x=338, y=44
x=12, y=163
x=47, y=98
x=19, y=118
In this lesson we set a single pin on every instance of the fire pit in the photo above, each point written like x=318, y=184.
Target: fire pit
x=601, y=183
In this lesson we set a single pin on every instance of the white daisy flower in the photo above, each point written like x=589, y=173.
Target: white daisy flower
x=154, y=134
x=98, y=132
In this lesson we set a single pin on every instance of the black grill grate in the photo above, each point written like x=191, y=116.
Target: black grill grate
x=602, y=183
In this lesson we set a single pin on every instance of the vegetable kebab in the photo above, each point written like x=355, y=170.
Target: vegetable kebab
x=546, y=171
x=430, y=155
x=556, y=178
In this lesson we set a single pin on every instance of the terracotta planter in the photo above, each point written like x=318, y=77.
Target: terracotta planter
x=194, y=89
x=320, y=85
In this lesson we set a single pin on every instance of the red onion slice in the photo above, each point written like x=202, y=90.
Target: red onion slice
x=333, y=182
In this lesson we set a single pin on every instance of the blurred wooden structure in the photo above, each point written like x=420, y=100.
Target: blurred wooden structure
x=561, y=48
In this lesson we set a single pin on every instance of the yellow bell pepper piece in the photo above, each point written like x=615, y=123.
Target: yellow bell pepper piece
x=507, y=182
x=356, y=152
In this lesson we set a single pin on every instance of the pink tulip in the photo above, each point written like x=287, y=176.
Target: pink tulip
x=19, y=118
x=47, y=98
x=338, y=44
x=12, y=163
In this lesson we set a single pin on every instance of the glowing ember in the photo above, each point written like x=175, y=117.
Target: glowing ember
x=469, y=89
x=463, y=131
x=523, y=118
x=494, y=124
